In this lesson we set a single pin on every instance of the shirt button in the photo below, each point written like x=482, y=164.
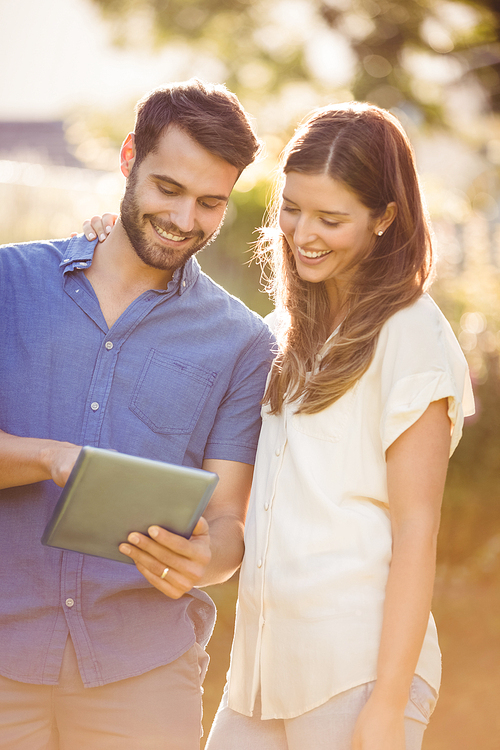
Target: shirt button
x=259, y=564
x=266, y=506
x=70, y=602
x=94, y=406
x=108, y=345
x=277, y=451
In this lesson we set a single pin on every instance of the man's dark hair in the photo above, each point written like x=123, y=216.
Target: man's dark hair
x=208, y=113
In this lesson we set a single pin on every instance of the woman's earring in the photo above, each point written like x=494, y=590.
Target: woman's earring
x=380, y=233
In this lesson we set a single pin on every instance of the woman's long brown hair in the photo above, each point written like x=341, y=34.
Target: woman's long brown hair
x=367, y=150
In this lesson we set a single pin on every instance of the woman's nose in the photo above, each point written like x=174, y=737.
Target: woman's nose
x=303, y=232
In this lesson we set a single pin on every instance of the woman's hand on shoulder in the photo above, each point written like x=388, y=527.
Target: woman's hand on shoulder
x=99, y=226
x=379, y=727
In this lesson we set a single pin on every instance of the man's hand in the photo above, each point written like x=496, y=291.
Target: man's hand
x=24, y=460
x=60, y=459
x=185, y=559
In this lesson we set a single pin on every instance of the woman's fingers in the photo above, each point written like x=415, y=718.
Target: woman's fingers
x=99, y=226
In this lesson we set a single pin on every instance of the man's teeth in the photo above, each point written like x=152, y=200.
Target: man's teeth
x=312, y=253
x=168, y=235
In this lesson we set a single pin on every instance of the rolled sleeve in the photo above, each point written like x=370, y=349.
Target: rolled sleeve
x=235, y=433
x=411, y=397
x=425, y=364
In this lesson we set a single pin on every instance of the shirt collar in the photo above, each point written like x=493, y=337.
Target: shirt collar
x=80, y=252
x=184, y=277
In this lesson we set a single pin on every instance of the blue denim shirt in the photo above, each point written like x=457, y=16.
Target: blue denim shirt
x=178, y=377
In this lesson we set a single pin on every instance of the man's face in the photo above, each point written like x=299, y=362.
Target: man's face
x=175, y=200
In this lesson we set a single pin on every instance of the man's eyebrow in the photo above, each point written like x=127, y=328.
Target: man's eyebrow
x=171, y=181
x=321, y=211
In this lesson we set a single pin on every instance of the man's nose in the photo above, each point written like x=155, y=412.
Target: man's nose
x=183, y=214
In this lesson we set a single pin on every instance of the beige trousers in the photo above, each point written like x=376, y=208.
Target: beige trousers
x=158, y=710
x=328, y=727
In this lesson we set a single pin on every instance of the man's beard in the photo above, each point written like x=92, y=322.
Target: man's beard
x=155, y=254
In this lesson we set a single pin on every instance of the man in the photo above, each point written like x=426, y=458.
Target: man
x=126, y=345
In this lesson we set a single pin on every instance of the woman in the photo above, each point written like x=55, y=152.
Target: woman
x=334, y=643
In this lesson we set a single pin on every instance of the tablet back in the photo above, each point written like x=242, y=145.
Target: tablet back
x=110, y=494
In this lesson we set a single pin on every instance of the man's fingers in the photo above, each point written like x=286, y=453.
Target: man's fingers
x=186, y=559
x=174, y=583
x=195, y=548
x=171, y=586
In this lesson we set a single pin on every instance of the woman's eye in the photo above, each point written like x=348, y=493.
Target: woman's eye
x=330, y=223
x=289, y=209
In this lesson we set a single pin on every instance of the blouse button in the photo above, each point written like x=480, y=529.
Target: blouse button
x=259, y=564
x=277, y=451
x=266, y=506
x=70, y=602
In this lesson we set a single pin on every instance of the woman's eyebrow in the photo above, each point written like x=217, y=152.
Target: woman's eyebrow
x=321, y=211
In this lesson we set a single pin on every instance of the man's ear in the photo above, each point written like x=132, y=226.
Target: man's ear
x=127, y=154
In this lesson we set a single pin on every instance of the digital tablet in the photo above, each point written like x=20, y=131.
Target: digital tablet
x=110, y=494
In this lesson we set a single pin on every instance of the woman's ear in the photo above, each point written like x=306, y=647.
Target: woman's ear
x=385, y=221
x=127, y=154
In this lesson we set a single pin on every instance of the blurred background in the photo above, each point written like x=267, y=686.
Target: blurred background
x=72, y=71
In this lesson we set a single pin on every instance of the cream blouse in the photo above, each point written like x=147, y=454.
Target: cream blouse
x=318, y=531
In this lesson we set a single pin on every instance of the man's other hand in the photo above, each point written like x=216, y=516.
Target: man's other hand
x=171, y=563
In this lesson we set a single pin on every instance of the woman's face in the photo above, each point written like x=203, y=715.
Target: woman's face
x=328, y=229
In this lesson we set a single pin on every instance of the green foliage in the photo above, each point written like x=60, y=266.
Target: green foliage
x=229, y=260
x=471, y=302
x=266, y=45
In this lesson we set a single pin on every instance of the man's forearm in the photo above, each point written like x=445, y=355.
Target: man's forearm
x=24, y=460
x=227, y=547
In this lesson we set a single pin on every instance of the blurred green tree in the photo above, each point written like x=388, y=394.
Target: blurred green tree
x=371, y=47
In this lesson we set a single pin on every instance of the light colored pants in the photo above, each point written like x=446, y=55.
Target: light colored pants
x=158, y=710
x=328, y=727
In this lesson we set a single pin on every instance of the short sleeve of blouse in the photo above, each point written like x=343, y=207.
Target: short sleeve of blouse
x=422, y=362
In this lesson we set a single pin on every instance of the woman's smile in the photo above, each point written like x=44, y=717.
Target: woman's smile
x=313, y=254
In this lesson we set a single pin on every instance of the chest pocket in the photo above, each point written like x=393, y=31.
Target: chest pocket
x=331, y=423
x=170, y=393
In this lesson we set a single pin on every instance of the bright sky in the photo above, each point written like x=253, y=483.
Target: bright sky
x=55, y=54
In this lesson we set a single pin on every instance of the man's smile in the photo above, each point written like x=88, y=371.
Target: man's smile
x=169, y=235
